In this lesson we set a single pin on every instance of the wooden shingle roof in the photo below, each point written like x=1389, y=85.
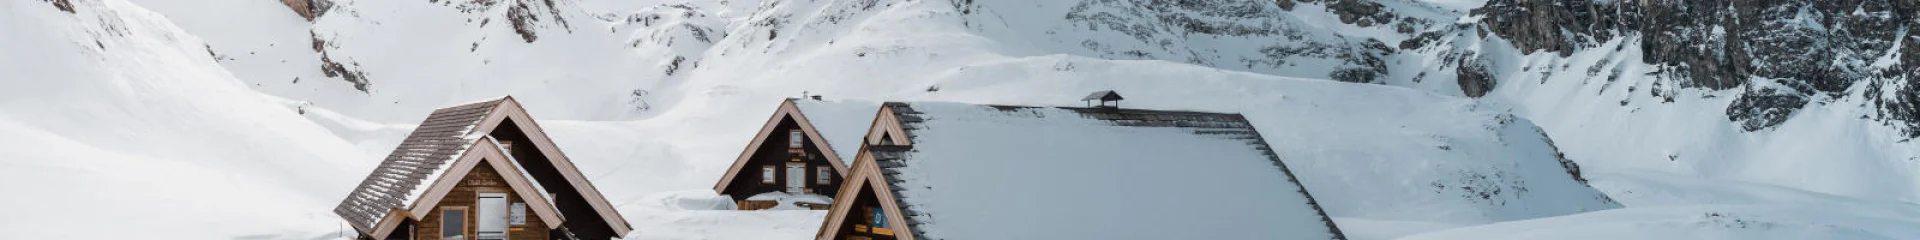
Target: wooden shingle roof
x=421, y=158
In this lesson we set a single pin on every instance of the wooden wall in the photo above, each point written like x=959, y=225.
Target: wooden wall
x=483, y=178
x=583, y=220
x=855, y=225
x=775, y=152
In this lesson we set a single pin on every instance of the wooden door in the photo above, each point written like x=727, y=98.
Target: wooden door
x=492, y=217
x=796, y=177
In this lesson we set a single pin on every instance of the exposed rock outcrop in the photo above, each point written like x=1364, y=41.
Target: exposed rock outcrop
x=1162, y=29
x=1811, y=47
x=309, y=9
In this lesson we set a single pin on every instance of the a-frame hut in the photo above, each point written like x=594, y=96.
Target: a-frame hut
x=799, y=156
x=482, y=170
x=962, y=171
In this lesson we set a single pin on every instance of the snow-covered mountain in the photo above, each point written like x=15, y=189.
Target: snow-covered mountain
x=112, y=116
x=1807, y=94
x=1458, y=118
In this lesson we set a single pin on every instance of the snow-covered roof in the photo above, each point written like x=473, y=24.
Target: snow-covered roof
x=413, y=173
x=1005, y=172
x=842, y=122
x=424, y=156
x=524, y=173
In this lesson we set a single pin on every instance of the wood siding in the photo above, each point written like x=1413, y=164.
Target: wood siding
x=857, y=224
x=482, y=179
x=582, y=218
x=376, y=206
x=775, y=152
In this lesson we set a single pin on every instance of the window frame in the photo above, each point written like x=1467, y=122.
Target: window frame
x=516, y=211
x=769, y=174
x=796, y=139
x=464, y=212
x=823, y=175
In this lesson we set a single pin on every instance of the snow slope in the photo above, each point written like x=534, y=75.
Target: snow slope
x=115, y=117
x=1826, y=147
x=1612, y=112
x=1699, y=222
x=920, y=50
x=1664, y=205
x=652, y=100
x=392, y=59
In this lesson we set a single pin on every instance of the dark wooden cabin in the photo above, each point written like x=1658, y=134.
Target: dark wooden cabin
x=794, y=152
x=482, y=170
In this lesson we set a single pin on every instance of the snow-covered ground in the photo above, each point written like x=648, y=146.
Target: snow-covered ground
x=113, y=117
x=117, y=113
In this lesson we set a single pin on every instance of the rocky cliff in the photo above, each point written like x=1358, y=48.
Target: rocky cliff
x=1784, y=54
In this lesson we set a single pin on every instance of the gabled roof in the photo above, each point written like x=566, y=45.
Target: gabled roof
x=1104, y=95
x=406, y=181
x=966, y=171
x=488, y=151
x=419, y=160
x=839, y=123
x=836, y=126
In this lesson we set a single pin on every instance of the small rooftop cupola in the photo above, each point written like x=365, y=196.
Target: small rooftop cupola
x=1106, y=98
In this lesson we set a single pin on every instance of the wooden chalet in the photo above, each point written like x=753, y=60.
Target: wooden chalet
x=962, y=171
x=801, y=150
x=482, y=170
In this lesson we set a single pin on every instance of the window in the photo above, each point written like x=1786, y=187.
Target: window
x=517, y=214
x=795, y=139
x=824, y=174
x=766, y=174
x=453, y=223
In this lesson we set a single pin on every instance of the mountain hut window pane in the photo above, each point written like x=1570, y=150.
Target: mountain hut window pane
x=453, y=224
x=795, y=139
x=767, y=174
x=824, y=174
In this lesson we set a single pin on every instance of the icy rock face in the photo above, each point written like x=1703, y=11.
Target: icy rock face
x=1365, y=14
x=1174, y=31
x=682, y=31
x=1796, y=50
x=526, y=18
x=524, y=15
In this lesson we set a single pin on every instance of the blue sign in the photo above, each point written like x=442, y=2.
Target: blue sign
x=879, y=218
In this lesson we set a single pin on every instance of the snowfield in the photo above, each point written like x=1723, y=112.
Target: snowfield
x=112, y=116
x=161, y=119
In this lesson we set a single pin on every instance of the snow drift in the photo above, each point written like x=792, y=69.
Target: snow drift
x=115, y=117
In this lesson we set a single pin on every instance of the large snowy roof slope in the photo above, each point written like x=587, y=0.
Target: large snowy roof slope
x=841, y=122
x=1001, y=172
x=420, y=159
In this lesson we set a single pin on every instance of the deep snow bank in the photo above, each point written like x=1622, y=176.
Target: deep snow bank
x=115, y=118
